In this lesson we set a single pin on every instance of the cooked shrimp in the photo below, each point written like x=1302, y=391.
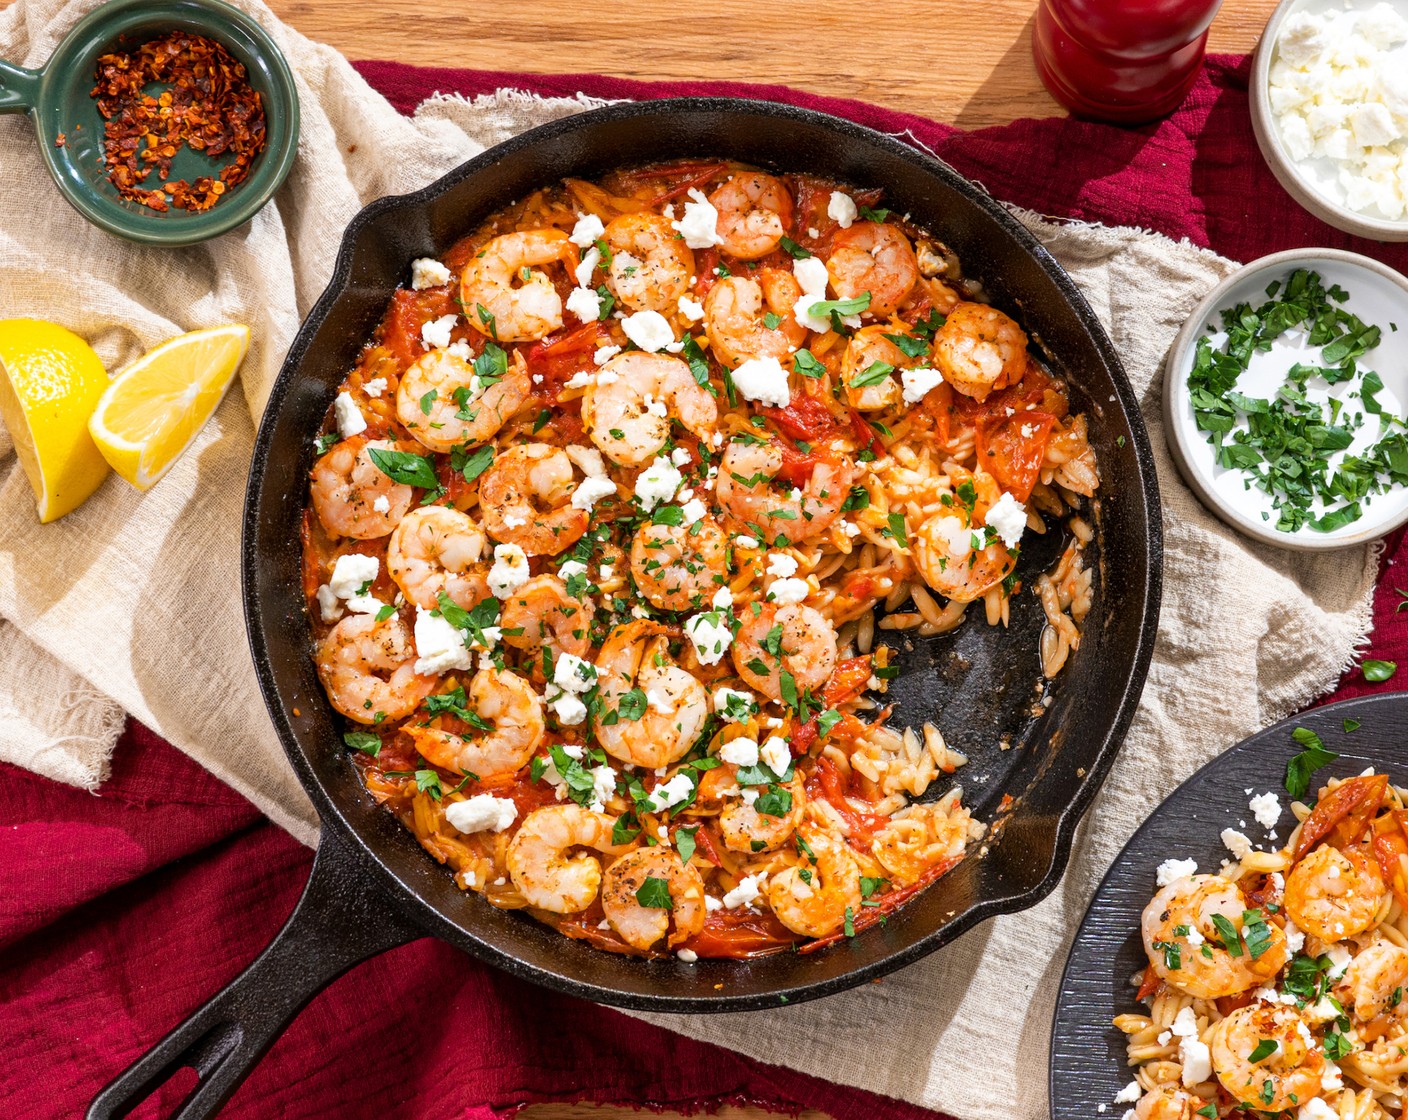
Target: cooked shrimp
x=642, y=926
x=1168, y=1102
x=636, y=656
x=735, y=317
x=347, y=485
x=519, y=302
x=879, y=389
x=755, y=210
x=1179, y=930
x=790, y=639
x=944, y=554
x=1335, y=894
x=444, y=404
x=507, y=702
x=746, y=829
x=680, y=567
x=651, y=266
x=628, y=415
x=524, y=496
x=1288, y=1076
x=813, y=898
x=979, y=349
x=368, y=669
x=874, y=258
x=1374, y=975
x=750, y=494
x=437, y=549
x=538, y=863
x=542, y=613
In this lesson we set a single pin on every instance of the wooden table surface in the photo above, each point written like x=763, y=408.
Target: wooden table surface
x=894, y=55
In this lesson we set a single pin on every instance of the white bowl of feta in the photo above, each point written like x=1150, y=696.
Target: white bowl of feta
x=1330, y=110
x=1254, y=399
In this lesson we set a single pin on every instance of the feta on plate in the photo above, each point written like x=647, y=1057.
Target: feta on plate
x=439, y=646
x=1007, y=517
x=763, y=380
x=588, y=228
x=711, y=634
x=649, y=330
x=509, y=571
x=590, y=491
x=777, y=754
x=916, y=383
x=745, y=893
x=788, y=591
x=739, y=752
x=658, y=483
x=841, y=208
x=1171, y=870
x=436, y=333
x=1266, y=808
x=699, y=225
x=585, y=304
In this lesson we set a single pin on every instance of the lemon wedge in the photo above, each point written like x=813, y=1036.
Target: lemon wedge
x=50, y=379
x=157, y=406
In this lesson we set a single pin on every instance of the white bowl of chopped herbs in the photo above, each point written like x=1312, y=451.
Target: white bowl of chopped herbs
x=1285, y=396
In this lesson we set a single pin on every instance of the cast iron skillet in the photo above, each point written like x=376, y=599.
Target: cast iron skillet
x=373, y=887
x=1087, y=1051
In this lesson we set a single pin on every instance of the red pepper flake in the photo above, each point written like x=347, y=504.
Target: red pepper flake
x=203, y=100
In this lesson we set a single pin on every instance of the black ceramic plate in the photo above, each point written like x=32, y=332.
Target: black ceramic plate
x=1087, y=1052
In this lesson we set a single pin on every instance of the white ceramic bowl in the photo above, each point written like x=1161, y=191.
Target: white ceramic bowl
x=1378, y=295
x=1299, y=183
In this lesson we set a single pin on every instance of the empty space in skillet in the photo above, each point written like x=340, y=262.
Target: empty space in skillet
x=1087, y=1051
x=978, y=684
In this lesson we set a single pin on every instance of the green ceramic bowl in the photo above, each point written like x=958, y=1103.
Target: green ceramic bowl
x=59, y=99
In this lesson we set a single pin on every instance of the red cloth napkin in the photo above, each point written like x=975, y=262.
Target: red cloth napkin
x=120, y=913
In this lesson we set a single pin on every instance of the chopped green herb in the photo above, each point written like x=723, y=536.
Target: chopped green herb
x=1302, y=765
x=654, y=894
x=1378, y=671
x=363, y=741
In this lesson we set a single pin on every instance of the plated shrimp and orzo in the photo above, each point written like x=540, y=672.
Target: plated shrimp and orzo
x=1276, y=984
x=612, y=517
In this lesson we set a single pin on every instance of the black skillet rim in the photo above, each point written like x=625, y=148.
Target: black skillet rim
x=408, y=902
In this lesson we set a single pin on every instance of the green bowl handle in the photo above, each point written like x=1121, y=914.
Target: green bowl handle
x=19, y=88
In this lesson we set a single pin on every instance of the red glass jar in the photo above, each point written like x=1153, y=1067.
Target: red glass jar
x=1121, y=60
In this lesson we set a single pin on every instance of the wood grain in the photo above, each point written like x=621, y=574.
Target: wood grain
x=892, y=54
x=953, y=61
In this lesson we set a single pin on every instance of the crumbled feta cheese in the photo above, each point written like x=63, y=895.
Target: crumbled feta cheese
x=674, y=791
x=777, y=754
x=1195, y=936
x=570, y=568
x=1295, y=939
x=603, y=787
x=426, y=272
x=918, y=382
x=850, y=528
x=588, y=228
x=748, y=796
x=711, y=904
x=352, y=572
x=509, y=572
x=1236, y=843
x=604, y=354
x=587, y=459
x=812, y=277
x=739, y=752
x=689, y=956
x=375, y=387
x=723, y=599
x=585, y=303
x=744, y=541
x=382, y=504
x=657, y=483
x=436, y=333
x=1316, y=1108
x=1171, y=870
x=605, y=572
x=1197, y=1061
x=745, y=893
x=841, y=208
x=763, y=380
x=1007, y=517
x=694, y=510
x=1266, y=808
x=1339, y=961
x=586, y=267
x=691, y=309
x=439, y=646
x=735, y=706
x=482, y=813
x=711, y=634
x=570, y=710
x=649, y=330
x=781, y=564
x=699, y=226
x=1129, y=1094
x=787, y=591
x=590, y=491
x=573, y=674
x=350, y=421
x=1330, y=1076
x=329, y=604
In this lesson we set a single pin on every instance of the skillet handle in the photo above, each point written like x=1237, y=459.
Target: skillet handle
x=340, y=920
x=19, y=88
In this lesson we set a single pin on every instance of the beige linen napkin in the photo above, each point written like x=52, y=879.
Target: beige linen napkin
x=132, y=603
